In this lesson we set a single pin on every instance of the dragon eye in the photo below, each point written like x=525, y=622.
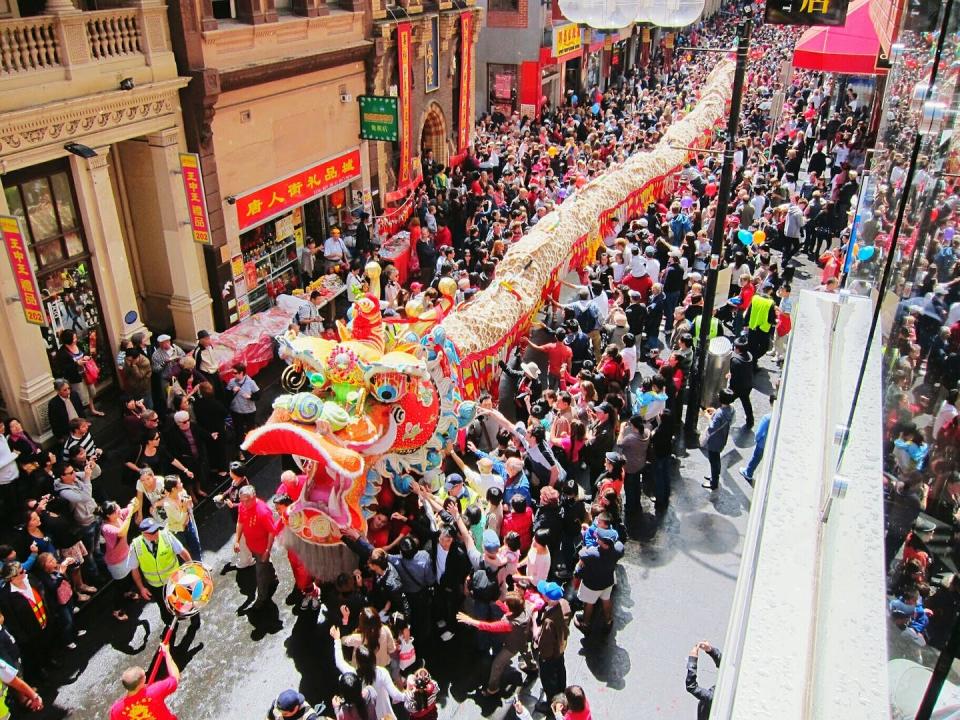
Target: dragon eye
x=385, y=393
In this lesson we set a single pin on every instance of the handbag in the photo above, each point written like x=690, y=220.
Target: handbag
x=64, y=592
x=91, y=373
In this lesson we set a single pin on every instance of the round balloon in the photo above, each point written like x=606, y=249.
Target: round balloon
x=595, y=108
x=759, y=237
x=949, y=233
x=745, y=237
x=189, y=589
x=552, y=151
x=686, y=202
x=865, y=253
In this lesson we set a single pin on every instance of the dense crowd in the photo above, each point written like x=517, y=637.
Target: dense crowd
x=536, y=505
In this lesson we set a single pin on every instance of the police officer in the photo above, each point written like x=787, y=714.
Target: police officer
x=154, y=557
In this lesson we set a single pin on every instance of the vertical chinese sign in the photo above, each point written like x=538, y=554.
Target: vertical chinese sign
x=404, y=60
x=431, y=57
x=196, y=200
x=27, y=287
x=466, y=76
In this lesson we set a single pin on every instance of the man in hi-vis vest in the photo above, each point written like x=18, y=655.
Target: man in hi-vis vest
x=154, y=557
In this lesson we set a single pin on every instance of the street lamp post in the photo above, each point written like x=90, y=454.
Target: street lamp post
x=719, y=231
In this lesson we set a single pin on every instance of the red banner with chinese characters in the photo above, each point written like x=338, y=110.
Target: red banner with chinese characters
x=196, y=200
x=26, y=281
x=405, y=63
x=466, y=75
x=259, y=205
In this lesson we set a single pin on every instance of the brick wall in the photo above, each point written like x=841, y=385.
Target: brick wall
x=508, y=19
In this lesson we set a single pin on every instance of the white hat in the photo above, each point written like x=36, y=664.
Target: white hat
x=181, y=416
x=531, y=369
x=162, y=338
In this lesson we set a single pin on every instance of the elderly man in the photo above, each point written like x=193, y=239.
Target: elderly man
x=62, y=408
x=145, y=700
x=258, y=528
x=165, y=354
x=154, y=556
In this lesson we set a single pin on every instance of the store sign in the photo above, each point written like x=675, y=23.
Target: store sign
x=379, y=118
x=566, y=39
x=277, y=198
x=465, y=121
x=196, y=200
x=806, y=12
x=431, y=58
x=27, y=287
x=404, y=47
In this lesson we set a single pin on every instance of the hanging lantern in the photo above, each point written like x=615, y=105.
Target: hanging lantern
x=575, y=10
x=643, y=11
x=601, y=14
x=337, y=198
x=675, y=13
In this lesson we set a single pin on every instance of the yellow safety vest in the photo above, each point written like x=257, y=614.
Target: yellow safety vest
x=4, y=709
x=760, y=313
x=156, y=568
x=711, y=333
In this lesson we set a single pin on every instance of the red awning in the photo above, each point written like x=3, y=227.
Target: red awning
x=852, y=49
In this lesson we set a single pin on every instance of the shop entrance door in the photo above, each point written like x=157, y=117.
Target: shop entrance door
x=433, y=137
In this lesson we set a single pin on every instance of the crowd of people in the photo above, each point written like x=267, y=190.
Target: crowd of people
x=523, y=537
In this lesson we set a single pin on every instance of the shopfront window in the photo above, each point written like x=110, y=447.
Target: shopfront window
x=502, y=81
x=42, y=198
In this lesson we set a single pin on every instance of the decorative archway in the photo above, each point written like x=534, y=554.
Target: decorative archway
x=433, y=135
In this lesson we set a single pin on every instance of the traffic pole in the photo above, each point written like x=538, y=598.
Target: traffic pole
x=719, y=232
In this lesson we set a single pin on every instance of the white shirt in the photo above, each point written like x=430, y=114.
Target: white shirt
x=947, y=413
x=653, y=267
x=8, y=463
x=334, y=249
x=629, y=355
x=441, y=561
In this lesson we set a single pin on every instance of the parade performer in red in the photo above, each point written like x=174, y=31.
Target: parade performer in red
x=147, y=701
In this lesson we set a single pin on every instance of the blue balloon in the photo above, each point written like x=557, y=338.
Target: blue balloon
x=865, y=253
x=574, y=100
x=745, y=237
x=595, y=108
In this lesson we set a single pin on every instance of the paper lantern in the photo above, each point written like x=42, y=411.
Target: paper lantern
x=601, y=14
x=189, y=589
x=675, y=13
x=337, y=198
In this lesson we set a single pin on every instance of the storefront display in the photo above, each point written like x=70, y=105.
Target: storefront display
x=269, y=261
x=43, y=200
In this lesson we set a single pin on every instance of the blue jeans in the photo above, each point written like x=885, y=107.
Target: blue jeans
x=754, y=461
x=191, y=541
x=90, y=536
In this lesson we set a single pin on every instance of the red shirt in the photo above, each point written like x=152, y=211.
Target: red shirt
x=147, y=704
x=443, y=238
x=257, y=525
x=558, y=353
x=520, y=523
x=641, y=284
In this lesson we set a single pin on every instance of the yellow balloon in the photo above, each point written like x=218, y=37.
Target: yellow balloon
x=759, y=237
x=447, y=286
x=552, y=151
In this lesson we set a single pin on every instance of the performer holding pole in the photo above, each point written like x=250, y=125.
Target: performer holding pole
x=146, y=700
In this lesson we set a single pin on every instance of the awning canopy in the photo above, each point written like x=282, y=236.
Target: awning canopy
x=852, y=49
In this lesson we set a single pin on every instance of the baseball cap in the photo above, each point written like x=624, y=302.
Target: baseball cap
x=181, y=416
x=605, y=407
x=453, y=479
x=163, y=338
x=289, y=700
x=149, y=525
x=614, y=457
x=550, y=590
x=490, y=540
x=203, y=334
x=608, y=534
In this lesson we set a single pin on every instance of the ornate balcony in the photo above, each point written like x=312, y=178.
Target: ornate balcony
x=70, y=54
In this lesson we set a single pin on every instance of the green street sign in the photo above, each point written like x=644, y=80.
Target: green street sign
x=379, y=118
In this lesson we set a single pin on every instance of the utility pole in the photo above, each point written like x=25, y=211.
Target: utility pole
x=719, y=231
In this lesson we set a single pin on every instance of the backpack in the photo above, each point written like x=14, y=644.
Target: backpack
x=588, y=318
x=483, y=584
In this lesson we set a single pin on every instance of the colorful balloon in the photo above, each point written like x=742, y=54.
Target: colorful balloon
x=189, y=589
x=595, y=108
x=686, y=202
x=745, y=237
x=865, y=253
x=759, y=237
x=949, y=233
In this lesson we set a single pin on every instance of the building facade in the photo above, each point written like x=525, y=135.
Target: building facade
x=90, y=139
x=437, y=109
x=271, y=110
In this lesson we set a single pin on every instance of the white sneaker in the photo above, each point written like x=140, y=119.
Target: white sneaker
x=81, y=633
x=71, y=646
x=446, y=636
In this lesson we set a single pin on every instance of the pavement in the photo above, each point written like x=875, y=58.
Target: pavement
x=674, y=587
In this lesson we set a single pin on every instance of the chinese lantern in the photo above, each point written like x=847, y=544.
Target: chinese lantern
x=337, y=198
